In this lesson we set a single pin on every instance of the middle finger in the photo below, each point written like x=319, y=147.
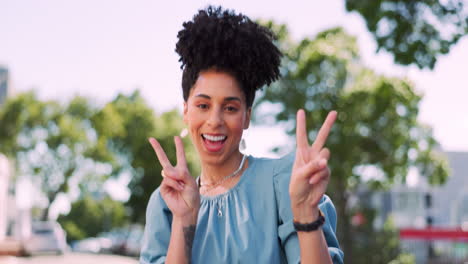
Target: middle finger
x=165, y=163
x=324, y=132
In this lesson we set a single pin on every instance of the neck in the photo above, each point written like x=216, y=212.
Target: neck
x=214, y=172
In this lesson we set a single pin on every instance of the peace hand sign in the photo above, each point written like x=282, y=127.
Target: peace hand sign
x=178, y=189
x=310, y=174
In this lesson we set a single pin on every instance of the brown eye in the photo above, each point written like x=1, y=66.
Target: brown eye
x=202, y=106
x=231, y=109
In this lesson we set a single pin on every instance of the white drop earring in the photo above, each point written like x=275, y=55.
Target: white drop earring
x=242, y=144
x=184, y=133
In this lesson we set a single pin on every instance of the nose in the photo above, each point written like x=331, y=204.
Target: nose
x=215, y=118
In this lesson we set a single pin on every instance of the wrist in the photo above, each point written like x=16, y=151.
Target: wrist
x=186, y=220
x=305, y=214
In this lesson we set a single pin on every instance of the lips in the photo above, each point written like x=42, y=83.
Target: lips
x=214, y=142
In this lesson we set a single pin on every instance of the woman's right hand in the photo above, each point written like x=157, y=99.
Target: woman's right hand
x=178, y=188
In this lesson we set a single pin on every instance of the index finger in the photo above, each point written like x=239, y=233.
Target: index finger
x=301, y=132
x=165, y=163
x=180, y=152
x=324, y=131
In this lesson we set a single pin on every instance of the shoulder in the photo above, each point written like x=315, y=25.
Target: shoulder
x=284, y=164
x=279, y=169
x=156, y=197
x=156, y=237
x=273, y=170
x=157, y=205
x=274, y=166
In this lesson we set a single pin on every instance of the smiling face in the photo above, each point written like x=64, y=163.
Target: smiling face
x=216, y=115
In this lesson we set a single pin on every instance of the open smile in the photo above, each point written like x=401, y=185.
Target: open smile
x=214, y=143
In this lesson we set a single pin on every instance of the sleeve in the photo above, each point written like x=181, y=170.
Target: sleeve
x=157, y=232
x=286, y=232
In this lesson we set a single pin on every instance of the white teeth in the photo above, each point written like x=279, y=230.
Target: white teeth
x=214, y=138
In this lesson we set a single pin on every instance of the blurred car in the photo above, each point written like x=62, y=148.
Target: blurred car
x=93, y=245
x=46, y=236
x=133, y=242
x=124, y=241
x=118, y=237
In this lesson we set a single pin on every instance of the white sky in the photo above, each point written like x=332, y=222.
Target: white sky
x=99, y=48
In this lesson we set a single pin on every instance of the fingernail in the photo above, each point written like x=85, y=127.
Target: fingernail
x=181, y=186
x=322, y=162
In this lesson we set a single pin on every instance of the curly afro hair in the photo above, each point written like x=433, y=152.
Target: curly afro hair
x=224, y=41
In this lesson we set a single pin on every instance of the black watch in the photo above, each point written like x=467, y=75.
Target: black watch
x=310, y=226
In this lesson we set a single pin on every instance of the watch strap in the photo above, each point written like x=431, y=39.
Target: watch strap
x=310, y=226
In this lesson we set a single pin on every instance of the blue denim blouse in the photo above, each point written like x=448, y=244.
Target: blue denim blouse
x=251, y=223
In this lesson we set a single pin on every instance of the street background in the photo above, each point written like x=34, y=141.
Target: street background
x=84, y=84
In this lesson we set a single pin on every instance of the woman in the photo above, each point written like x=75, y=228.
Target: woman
x=240, y=209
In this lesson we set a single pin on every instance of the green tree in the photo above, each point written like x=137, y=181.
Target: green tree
x=414, y=31
x=89, y=216
x=58, y=145
x=376, y=130
x=50, y=142
x=124, y=125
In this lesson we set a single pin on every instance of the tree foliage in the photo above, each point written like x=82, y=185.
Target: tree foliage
x=381, y=245
x=414, y=31
x=50, y=142
x=88, y=217
x=129, y=138
x=79, y=145
x=377, y=133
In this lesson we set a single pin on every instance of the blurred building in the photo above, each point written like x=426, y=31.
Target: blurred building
x=424, y=207
x=5, y=171
x=4, y=163
x=450, y=207
x=4, y=80
x=8, y=211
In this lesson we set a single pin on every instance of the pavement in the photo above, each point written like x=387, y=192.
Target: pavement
x=69, y=258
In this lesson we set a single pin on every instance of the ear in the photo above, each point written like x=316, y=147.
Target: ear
x=185, y=112
x=247, y=118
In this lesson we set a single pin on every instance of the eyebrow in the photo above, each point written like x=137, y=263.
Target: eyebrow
x=229, y=98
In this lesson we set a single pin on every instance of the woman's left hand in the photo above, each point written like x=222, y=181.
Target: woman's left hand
x=310, y=173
